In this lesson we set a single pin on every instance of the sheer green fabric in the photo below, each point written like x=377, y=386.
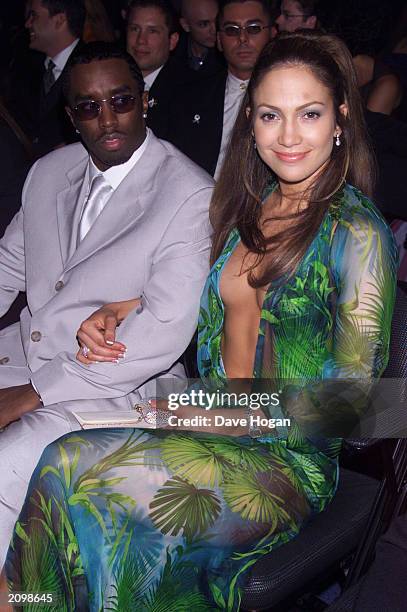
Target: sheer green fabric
x=159, y=520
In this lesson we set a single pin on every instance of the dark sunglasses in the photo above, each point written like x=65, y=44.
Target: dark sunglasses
x=252, y=29
x=90, y=109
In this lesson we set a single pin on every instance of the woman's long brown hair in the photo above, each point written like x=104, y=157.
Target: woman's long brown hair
x=237, y=198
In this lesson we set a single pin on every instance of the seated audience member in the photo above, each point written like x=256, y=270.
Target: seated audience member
x=379, y=85
x=124, y=215
x=151, y=36
x=54, y=27
x=297, y=15
x=203, y=114
x=198, y=44
x=302, y=286
x=363, y=27
x=397, y=61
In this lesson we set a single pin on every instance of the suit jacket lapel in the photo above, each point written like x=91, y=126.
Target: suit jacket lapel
x=68, y=210
x=48, y=100
x=126, y=205
x=160, y=83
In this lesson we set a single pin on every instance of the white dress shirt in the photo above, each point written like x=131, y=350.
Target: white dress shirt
x=61, y=59
x=234, y=92
x=150, y=78
x=115, y=174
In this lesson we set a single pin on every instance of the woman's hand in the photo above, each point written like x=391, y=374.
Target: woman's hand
x=97, y=334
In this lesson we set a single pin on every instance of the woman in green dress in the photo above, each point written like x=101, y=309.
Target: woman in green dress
x=301, y=289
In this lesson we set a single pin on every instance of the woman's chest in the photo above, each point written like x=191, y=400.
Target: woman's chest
x=235, y=290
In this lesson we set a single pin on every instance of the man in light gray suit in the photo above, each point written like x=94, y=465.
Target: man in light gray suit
x=124, y=216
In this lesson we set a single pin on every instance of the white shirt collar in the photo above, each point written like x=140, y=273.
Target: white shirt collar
x=150, y=78
x=61, y=58
x=116, y=174
x=235, y=84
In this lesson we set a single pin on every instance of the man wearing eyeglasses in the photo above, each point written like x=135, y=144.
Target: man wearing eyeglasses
x=296, y=15
x=125, y=215
x=204, y=113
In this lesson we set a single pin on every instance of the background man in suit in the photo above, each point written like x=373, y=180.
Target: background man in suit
x=151, y=36
x=54, y=27
x=203, y=115
x=126, y=216
x=198, y=46
x=297, y=15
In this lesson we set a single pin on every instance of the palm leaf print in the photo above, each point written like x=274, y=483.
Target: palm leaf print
x=180, y=506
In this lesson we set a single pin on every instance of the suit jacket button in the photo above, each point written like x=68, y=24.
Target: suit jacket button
x=36, y=336
x=4, y=360
x=59, y=285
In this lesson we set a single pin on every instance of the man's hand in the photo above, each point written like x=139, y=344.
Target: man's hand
x=16, y=401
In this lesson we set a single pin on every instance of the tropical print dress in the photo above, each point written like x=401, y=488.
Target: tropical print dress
x=171, y=521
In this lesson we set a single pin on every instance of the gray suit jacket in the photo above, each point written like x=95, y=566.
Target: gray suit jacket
x=151, y=239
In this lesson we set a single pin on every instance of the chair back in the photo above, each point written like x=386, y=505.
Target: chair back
x=397, y=366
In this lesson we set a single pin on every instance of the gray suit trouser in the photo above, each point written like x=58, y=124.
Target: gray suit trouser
x=22, y=443
x=21, y=446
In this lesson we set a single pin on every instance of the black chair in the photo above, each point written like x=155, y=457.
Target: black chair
x=360, y=511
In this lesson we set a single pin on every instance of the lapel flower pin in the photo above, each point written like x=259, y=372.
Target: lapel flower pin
x=152, y=102
x=196, y=119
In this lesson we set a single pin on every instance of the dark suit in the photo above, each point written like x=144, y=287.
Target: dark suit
x=53, y=126
x=196, y=120
x=212, y=63
x=172, y=79
x=42, y=116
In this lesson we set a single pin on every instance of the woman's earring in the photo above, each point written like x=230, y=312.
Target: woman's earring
x=338, y=140
x=144, y=114
x=77, y=131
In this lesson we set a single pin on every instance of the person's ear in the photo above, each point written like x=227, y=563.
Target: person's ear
x=311, y=22
x=174, y=38
x=184, y=24
x=60, y=21
x=343, y=109
x=69, y=112
x=248, y=111
x=219, y=42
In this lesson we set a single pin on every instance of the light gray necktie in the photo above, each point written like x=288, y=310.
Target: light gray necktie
x=99, y=194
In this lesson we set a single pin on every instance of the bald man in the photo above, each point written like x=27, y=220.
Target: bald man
x=198, y=20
